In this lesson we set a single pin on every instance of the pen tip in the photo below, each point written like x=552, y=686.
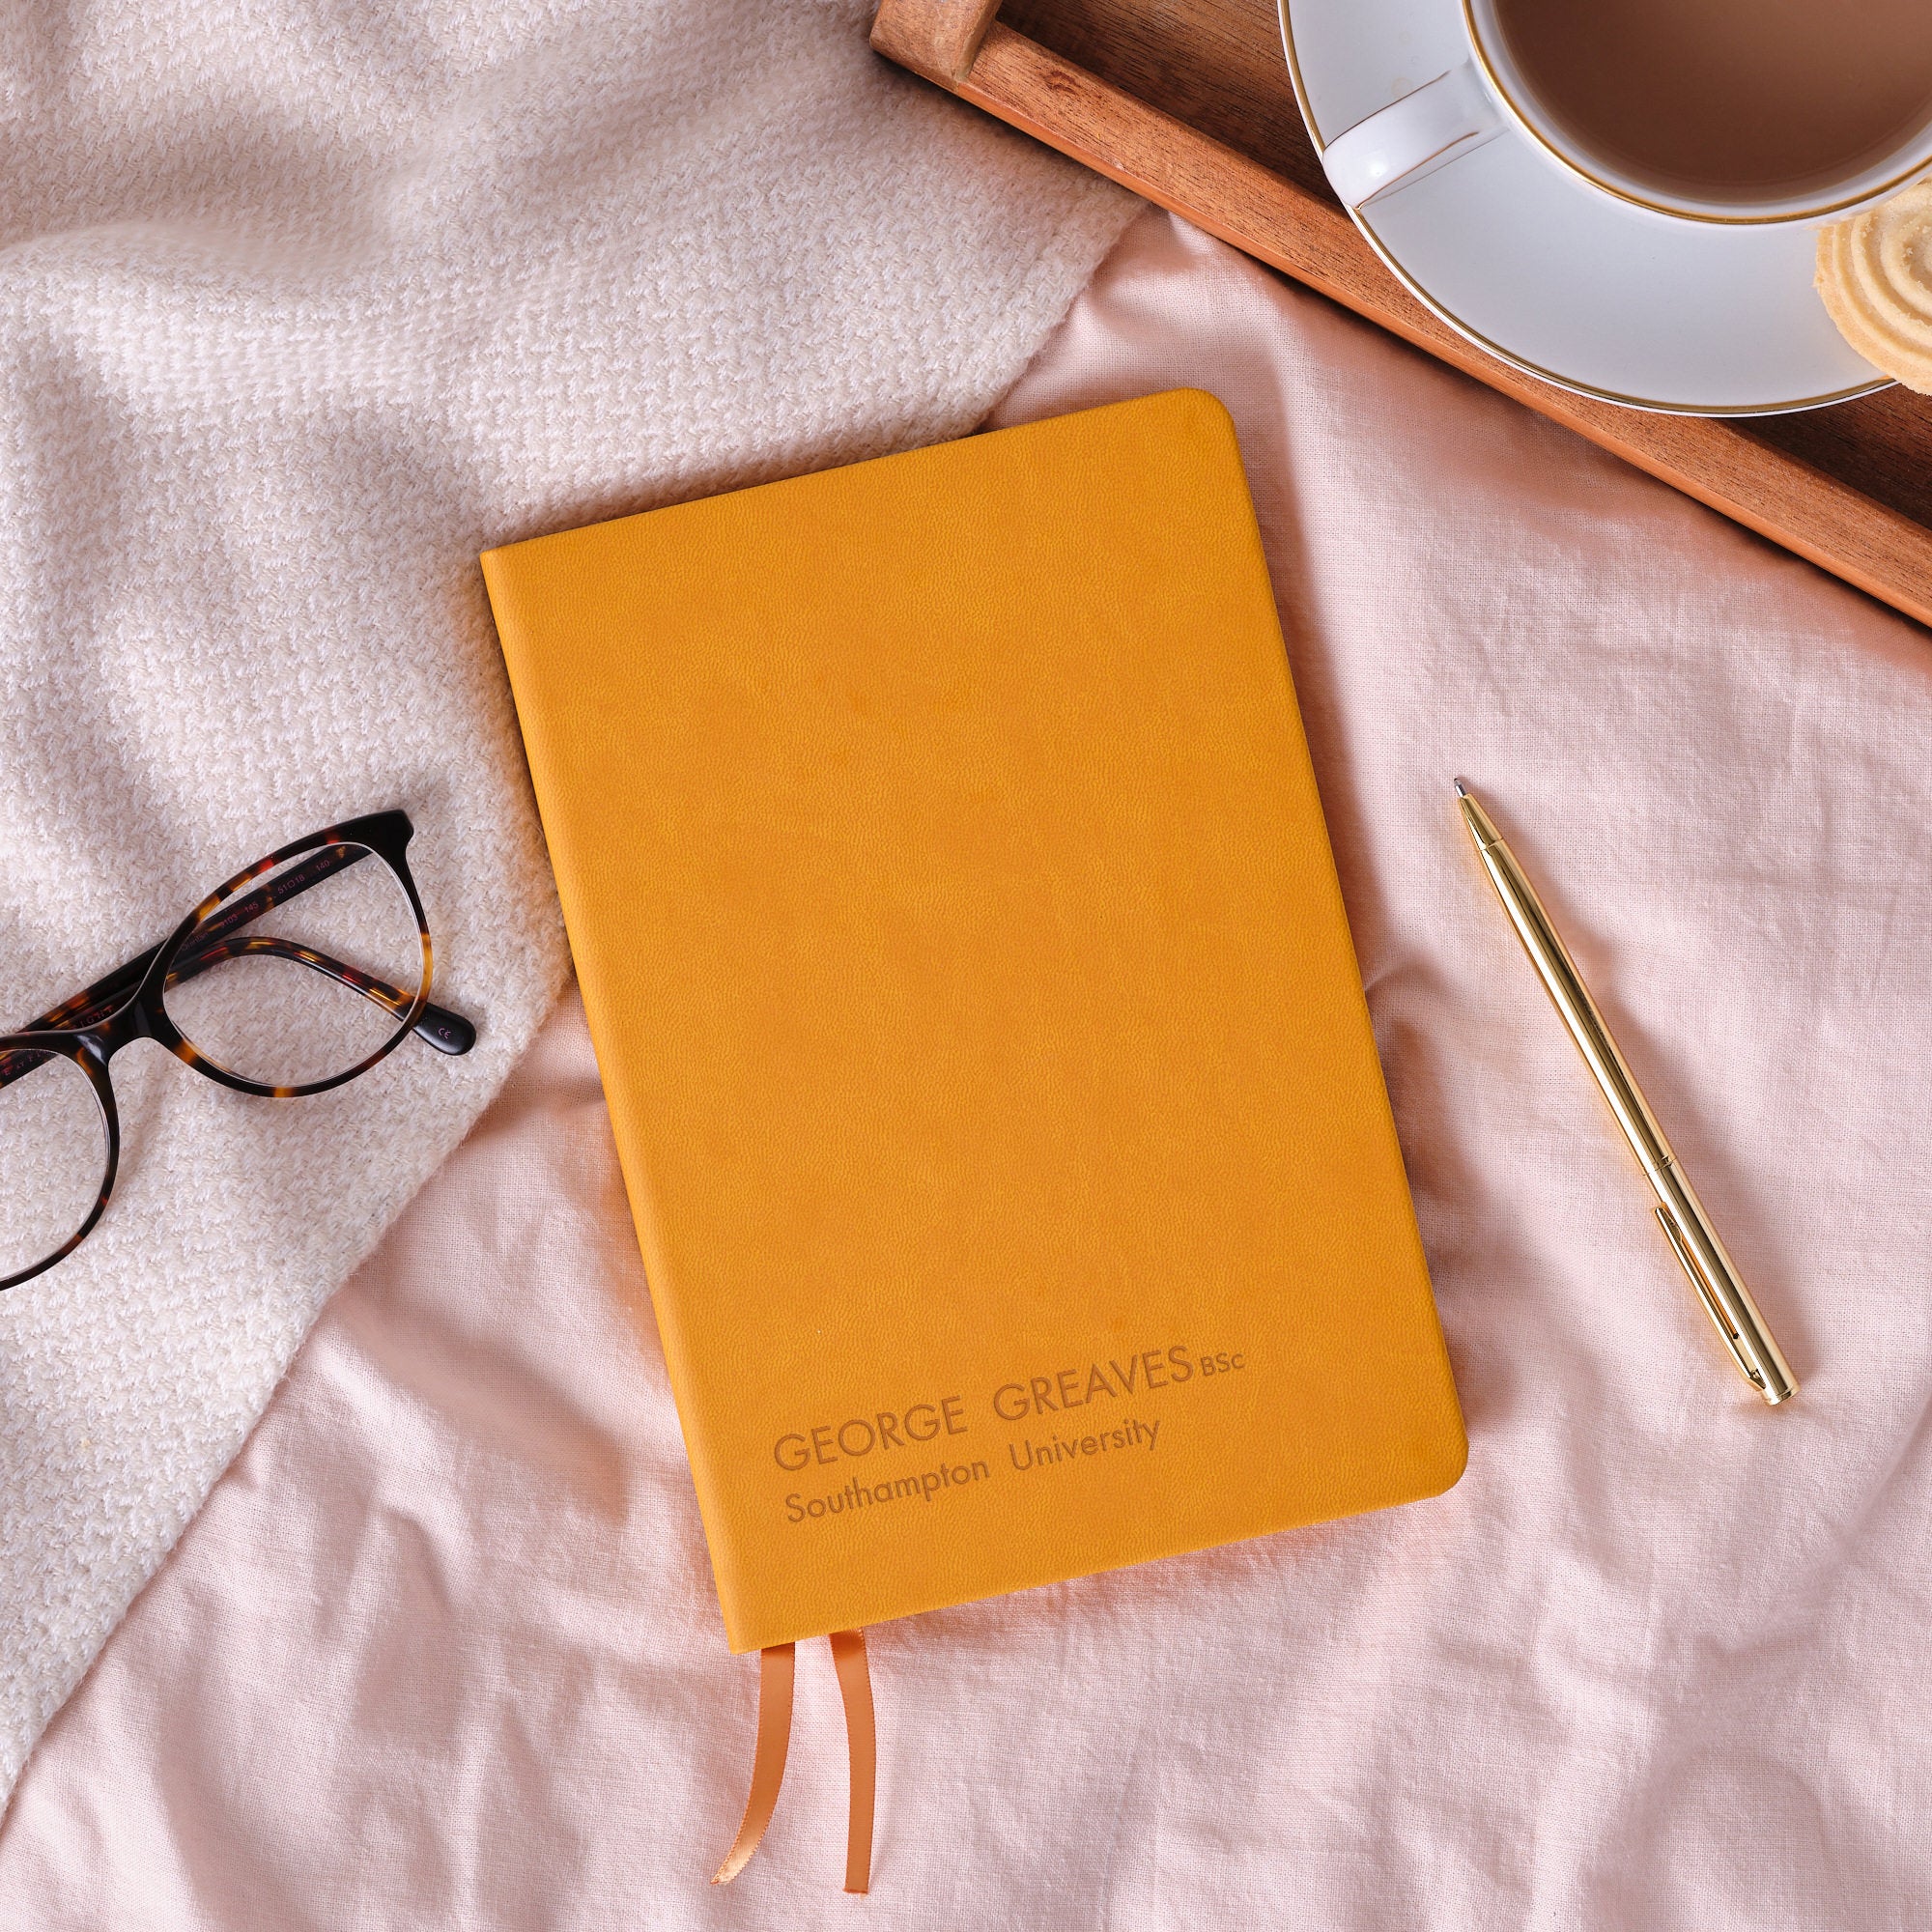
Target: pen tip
x=1461, y=790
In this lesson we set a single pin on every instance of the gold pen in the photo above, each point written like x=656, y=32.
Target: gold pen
x=1711, y=1271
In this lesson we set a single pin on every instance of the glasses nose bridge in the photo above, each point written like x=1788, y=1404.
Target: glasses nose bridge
x=121, y=1026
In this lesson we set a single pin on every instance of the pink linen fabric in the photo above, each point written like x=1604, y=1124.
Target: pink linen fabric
x=442, y=1649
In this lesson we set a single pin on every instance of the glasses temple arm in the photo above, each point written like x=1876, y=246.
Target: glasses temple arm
x=323, y=864
x=446, y=1031
x=443, y=1030
x=96, y=1001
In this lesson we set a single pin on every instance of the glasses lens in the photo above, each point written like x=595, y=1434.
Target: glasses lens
x=304, y=975
x=53, y=1155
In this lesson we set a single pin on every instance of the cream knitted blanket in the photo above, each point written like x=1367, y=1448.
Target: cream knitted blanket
x=299, y=308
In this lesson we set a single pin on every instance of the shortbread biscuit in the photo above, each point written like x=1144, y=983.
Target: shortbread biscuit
x=1875, y=274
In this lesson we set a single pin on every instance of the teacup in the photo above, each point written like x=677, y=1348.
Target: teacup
x=1728, y=111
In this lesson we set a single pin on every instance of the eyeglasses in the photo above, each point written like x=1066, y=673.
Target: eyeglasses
x=276, y=1015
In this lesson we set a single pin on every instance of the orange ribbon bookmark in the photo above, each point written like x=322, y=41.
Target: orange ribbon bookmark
x=768, y=1760
x=775, y=1671
x=855, y=1689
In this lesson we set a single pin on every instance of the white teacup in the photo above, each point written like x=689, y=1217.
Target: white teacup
x=1468, y=106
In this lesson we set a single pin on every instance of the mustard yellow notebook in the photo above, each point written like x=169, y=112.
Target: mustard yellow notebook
x=985, y=1044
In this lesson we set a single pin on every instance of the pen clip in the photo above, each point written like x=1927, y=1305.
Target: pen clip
x=1713, y=1307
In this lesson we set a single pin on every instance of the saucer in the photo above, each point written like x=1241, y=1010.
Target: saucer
x=1556, y=278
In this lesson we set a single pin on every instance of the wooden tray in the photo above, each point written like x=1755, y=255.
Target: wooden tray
x=1188, y=102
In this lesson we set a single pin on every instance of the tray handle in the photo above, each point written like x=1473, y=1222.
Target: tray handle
x=960, y=44
x=939, y=39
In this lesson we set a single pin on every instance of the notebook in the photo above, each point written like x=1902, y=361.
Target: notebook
x=984, y=1046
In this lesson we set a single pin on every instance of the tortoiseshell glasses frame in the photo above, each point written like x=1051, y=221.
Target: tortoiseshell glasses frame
x=94, y=1024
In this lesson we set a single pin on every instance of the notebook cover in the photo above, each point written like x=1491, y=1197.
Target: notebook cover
x=985, y=1044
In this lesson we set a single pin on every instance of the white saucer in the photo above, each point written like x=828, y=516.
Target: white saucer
x=1556, y=278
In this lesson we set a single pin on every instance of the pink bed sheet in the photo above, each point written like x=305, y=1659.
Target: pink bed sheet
x=442, y=1650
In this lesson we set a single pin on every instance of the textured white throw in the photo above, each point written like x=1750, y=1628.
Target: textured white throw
x=301, y=306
